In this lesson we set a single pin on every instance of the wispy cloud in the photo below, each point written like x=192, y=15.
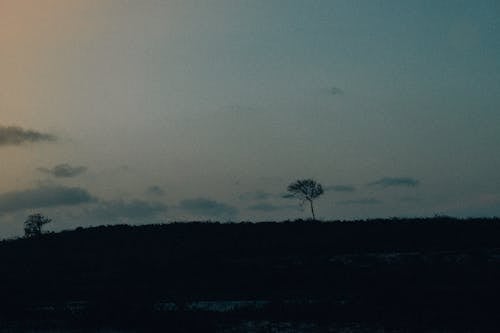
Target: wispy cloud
x=264, y=207
x=395, y=182
x=340, y=188
x=44, y=196
x=155, y=190
x=410, y=199
x=256, y=195
x=14, y=136
x=208, y=208
x=64, y=170
x=120, y=209
x=336, y=91
x=363, y=201
x=268, y=207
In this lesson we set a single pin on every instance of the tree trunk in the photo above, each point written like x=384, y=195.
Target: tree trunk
x=312, y=210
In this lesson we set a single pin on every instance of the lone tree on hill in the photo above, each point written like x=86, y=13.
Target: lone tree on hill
x=33, y=225
x=305, y=190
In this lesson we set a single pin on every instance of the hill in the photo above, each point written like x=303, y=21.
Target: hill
x=422, y=271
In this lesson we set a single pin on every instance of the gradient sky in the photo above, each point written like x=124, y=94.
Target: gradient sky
x=121, y=111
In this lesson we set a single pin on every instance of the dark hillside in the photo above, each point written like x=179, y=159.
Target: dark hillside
x=409, y=269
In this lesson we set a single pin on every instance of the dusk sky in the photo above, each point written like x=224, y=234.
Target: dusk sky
x=151, y=111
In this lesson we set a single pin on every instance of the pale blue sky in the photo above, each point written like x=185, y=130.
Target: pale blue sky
x=177, y=110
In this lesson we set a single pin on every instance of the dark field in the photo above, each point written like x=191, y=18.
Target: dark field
x=417, y=275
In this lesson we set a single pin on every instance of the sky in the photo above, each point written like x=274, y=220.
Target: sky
x=153, y=111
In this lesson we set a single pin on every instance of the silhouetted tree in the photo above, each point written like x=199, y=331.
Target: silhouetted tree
x=305, y=190
x=33, y=225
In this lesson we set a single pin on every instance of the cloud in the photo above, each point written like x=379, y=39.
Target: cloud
x=340, y=188
x=207, y=207
x=156, y=191
x=43, y=196
x=336, y=91
x=64, y=170
x=15, y=136
x=257, y=195
x=119, y=209
x=267, y=207
x=410, y=199
x=395, y=182
x=363, y=201
x=264, y=207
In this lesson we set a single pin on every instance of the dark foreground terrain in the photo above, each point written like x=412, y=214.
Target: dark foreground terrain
x=437, y=274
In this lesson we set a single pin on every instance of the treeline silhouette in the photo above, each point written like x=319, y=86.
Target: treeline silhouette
x=435, y=272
